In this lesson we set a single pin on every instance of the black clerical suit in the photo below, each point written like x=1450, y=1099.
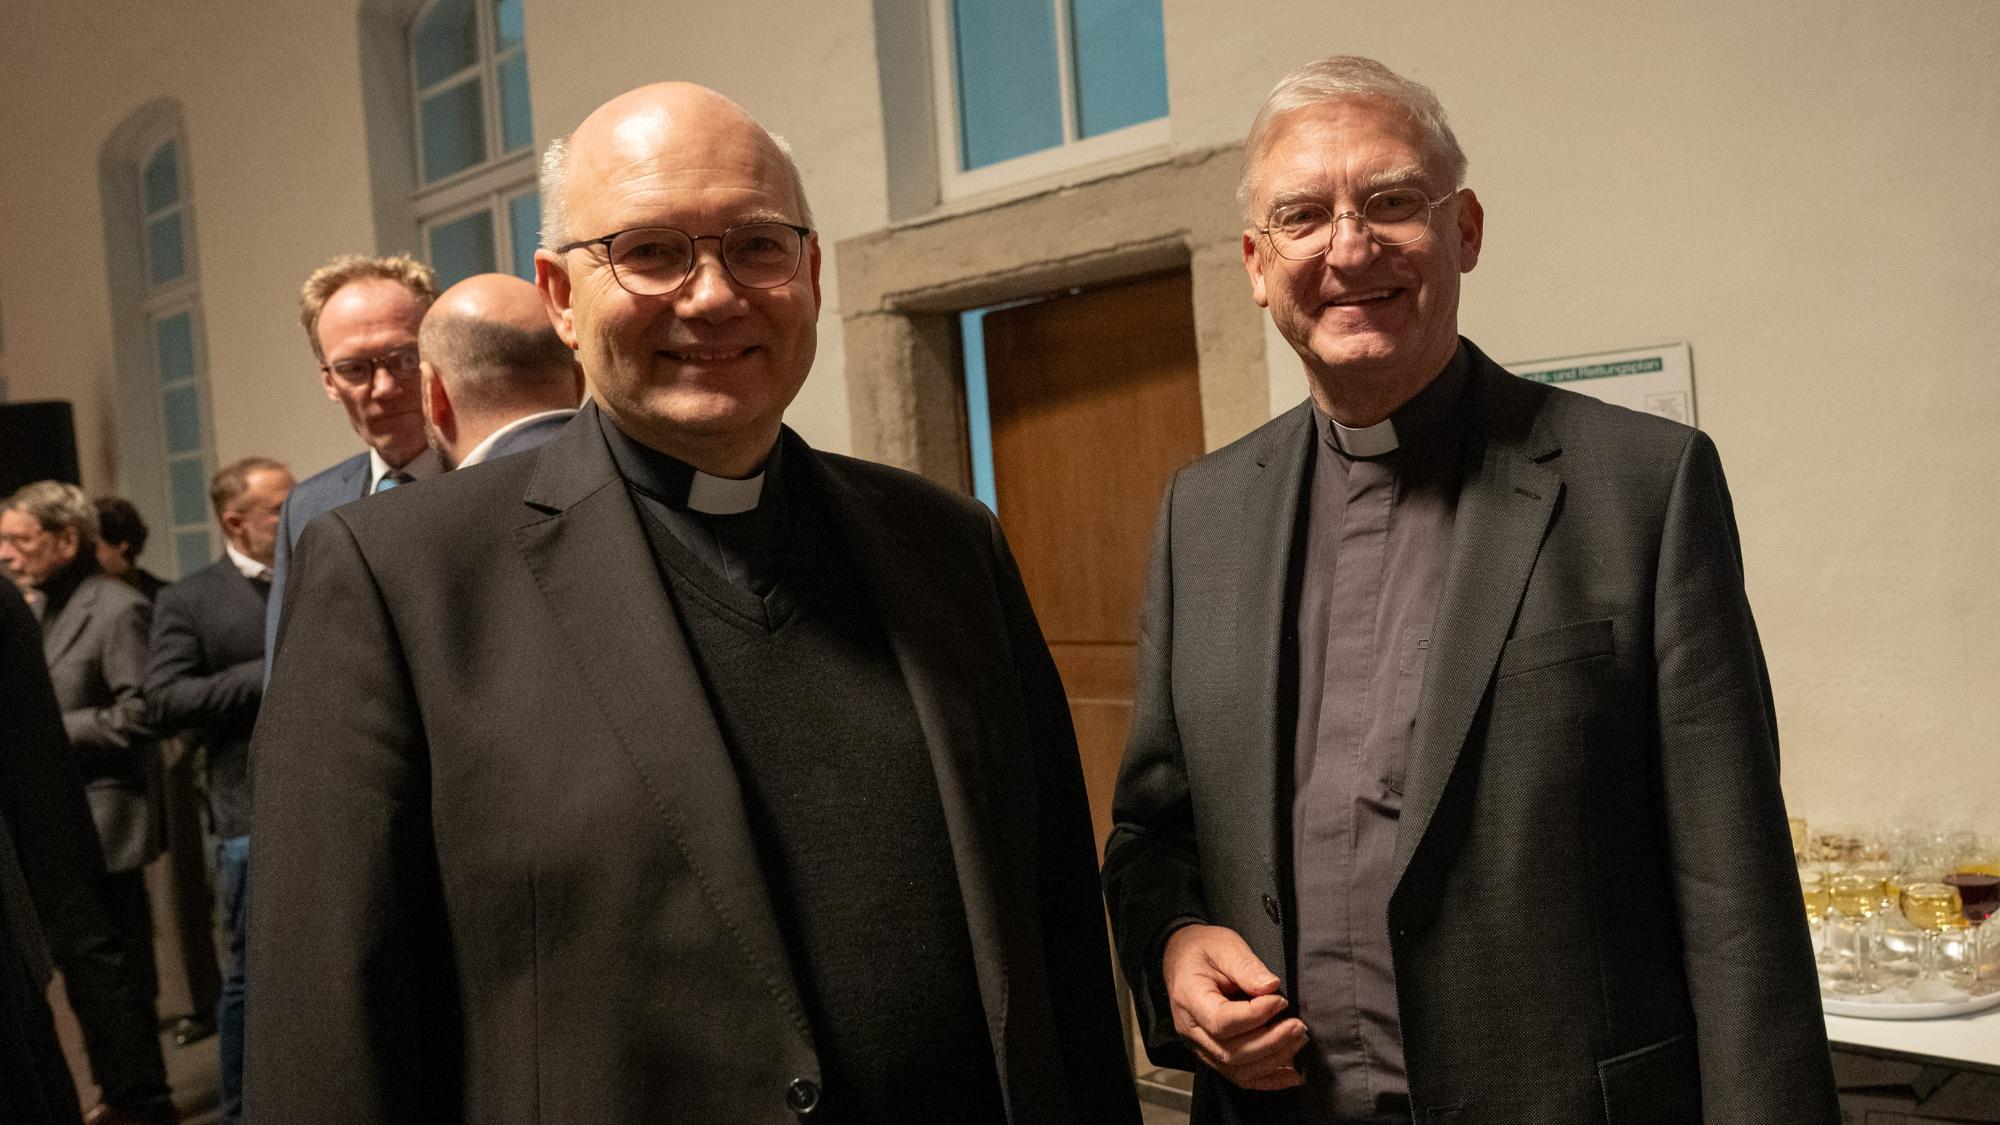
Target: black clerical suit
x=1594, y=913
x=507, y=871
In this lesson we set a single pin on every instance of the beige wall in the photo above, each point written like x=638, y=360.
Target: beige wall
x=1801, y=191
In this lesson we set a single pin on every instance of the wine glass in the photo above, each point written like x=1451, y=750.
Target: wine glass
x=1930, y=907
x=1857, y=897
x=1976, y=876
x=1812, y=887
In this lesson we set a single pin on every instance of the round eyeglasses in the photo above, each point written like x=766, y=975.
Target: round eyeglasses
x=655, y=261
x=402, y=364
x=1395, y=217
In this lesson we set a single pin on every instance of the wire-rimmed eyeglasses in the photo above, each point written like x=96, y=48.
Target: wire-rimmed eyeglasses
x=402, y=364
x=654, y=261
x=1392, y=217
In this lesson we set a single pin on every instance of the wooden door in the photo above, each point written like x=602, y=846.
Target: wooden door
x=1094, y=402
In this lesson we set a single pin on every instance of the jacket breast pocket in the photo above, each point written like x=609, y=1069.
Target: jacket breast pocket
x=1560, y=645
x=1656, y=1085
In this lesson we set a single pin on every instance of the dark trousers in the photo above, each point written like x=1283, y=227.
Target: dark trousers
x=110, y=984
x=232, y=883
x=35, y=1086
x=190, y=906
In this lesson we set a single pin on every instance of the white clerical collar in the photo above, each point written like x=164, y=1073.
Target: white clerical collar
x=723, y=496
x=249, y=567
x=1367, y=441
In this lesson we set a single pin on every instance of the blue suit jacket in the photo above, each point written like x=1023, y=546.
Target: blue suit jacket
x=321, y=492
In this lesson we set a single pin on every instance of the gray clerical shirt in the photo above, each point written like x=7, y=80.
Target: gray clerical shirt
x=1378, y=537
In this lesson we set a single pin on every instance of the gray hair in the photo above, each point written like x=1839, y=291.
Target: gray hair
x=1340, y=78
x=488, y=365
x=59, y=506
x=555, y=178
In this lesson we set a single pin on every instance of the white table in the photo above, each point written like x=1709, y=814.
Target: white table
x=1973, y=1040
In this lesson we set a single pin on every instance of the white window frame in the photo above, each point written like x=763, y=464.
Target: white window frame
x=159, y=303
x=1048, y=166
x=489, y=184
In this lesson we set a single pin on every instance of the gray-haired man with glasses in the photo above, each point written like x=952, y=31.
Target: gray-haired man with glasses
x=1452, y=790
x=675, y=770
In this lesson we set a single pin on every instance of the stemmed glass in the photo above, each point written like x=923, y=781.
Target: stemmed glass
x=1857, y=897
x=1930, y=907
x=1976, y=876
x=1812, y=887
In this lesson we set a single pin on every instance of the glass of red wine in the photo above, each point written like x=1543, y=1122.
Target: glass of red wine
x=1976, y=874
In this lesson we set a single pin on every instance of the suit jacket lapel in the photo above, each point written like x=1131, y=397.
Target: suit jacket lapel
x=1270, y=512
x=76, y=613
x=1505, y=502
x=589, y=556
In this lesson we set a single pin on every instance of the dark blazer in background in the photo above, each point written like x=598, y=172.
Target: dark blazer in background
x=96, y=653
x=504, y=871
x=531, y=436
x=205, y=677
x=49, y=862
x=323, y=491
x=1597, y=914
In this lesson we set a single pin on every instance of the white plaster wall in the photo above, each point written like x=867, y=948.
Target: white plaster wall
x=277, y=174
x=1804, y=193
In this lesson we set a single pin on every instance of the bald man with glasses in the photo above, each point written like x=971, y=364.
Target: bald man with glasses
x=674, y=770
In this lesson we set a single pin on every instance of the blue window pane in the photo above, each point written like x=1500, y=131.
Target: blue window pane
x=173, y=345
x=446, y=41
x=190, y=488
x=454, y=131
x=509, y=23
x=166, y=254
x=163, y=180
x=517, y=128
x=183, y=410
x=191, y=551
x=524, y=226
x=1121, y=63
x=462, y=248
x=1009, y=84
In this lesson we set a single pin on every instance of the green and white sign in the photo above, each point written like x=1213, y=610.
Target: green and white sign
x=1653, y=380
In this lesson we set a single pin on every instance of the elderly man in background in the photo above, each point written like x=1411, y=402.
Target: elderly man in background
x=361, y=317
x=496, y=377
x=205, y=680
x=94, y=643
x=674, y=770
x=1452, y=792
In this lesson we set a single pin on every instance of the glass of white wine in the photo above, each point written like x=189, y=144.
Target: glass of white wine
x=1812, y=887
x=1857, y=897
x=1930, y=907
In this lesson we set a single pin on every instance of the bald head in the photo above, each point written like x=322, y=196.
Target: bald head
x=699, y=366
x=490, y=356
x=633, y=129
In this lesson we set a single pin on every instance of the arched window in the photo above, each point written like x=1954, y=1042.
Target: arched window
x=166, y=439
x=475, y=200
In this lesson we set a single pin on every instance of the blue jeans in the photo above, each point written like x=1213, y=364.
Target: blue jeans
x=232, y=877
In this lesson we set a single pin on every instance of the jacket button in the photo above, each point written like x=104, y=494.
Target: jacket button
x=1271, y=909
x=802, y=1096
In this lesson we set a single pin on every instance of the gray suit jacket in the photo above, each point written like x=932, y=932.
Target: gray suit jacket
x=504, y=872
x=96, y=653
x=322, y=492
x=1596, y=918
